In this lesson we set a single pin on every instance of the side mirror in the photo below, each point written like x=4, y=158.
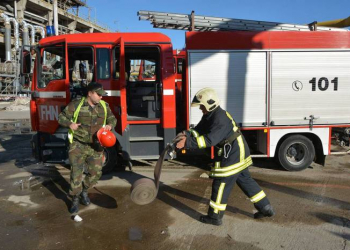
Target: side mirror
x=26, y=60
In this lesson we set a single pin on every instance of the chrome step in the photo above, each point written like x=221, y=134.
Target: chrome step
x=146, y=138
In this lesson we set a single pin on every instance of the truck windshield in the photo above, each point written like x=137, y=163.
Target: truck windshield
x=142, y=70
x=52, y=65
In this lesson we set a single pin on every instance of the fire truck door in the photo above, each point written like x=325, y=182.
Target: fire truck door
x=143, y=84
x=51, y=86
x=119, y=84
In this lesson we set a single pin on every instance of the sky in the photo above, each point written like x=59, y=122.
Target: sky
x=121, y=15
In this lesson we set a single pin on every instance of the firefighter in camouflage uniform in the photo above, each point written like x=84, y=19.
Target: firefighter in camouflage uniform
x=85, y=117
x=232, y=157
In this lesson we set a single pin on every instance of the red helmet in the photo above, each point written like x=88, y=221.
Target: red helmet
x=106, y=138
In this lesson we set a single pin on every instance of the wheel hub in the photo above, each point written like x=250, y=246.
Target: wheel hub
x=292, y=152
x=296, y=153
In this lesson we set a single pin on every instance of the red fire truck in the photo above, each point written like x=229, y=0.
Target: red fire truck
x=287, y=90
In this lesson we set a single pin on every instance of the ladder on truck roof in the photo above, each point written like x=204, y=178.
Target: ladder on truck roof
x=206, y=23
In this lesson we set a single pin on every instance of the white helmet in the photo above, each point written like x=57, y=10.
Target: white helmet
x=206, y=97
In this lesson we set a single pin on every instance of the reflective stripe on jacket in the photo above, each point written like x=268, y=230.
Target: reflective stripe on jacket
x=76, y=115
x=215, y=127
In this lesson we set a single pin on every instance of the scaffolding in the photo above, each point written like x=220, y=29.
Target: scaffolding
x=9, y=77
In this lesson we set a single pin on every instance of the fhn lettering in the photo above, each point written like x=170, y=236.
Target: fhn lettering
x=49, y=112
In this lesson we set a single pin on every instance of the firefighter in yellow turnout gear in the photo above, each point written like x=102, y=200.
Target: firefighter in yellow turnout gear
x=232, y=157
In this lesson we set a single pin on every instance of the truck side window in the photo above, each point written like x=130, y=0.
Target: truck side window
x=103, y=63
x=52, y=65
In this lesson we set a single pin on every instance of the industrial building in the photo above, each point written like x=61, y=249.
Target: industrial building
x=25, y=22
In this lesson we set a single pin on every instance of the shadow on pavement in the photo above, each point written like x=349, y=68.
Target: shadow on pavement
x=102, y=199
x=303, y=194
x=166, y=194
x=335, y=220
x=16, y=147
x=58, y=186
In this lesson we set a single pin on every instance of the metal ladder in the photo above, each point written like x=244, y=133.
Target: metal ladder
x=193, y=22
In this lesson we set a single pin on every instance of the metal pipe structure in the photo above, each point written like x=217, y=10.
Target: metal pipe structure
x=339, y=23
x=15, y=8
x=32, y=31
x=9, y=7
x=16, y=30
x=34, y=16
x=25, y=35
x=8, y=41
x=15, y=27
x=41, y=30
x=55, y=16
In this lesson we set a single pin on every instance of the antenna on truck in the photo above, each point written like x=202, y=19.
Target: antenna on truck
x=193, y=22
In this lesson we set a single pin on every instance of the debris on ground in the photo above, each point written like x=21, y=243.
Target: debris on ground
x=77, y=218
x=20, y=104
x=7, y=98
x=204, y=175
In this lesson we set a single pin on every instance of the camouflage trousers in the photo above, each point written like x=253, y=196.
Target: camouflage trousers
x=86, y=167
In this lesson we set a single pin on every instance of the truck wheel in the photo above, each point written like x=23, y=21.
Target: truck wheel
x=109, y=160
x=296, y=153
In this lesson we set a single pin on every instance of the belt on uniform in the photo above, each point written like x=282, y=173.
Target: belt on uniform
x=230, y=139
x=84, y=143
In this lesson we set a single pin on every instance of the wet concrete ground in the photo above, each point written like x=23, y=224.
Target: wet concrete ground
x=313, y=207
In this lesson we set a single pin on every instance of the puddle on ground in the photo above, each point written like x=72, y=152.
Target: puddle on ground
x=23, y=201
x=135, y=234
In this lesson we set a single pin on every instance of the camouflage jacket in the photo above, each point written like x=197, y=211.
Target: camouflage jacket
x=91, y=119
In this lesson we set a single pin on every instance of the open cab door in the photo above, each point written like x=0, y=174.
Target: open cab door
x=50, y=85
x=119, y=84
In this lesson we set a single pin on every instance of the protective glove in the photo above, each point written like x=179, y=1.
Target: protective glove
x=181, y=142
x=181, y=133
x=179, y=136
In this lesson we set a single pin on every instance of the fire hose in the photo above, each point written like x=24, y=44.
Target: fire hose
x=145, y=190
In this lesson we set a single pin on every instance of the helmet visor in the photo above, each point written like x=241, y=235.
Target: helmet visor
x=195, y=102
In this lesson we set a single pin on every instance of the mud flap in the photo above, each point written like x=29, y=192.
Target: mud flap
x=320, y=158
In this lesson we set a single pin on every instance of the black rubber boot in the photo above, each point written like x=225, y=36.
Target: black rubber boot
x=209, y=220
x=266, y=211
x=75, y=205
x=84, y=198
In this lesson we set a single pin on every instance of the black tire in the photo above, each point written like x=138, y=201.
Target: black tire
x=296, y=153
x=110, y=160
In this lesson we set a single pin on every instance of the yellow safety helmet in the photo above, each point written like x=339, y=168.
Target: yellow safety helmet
x=206, y=97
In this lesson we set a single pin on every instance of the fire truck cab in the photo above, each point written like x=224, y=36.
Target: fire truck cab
x=137, y=72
